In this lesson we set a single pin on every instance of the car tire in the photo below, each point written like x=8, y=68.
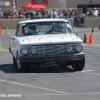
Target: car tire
x=22, y=66
x=78, y=65
x=14, y=62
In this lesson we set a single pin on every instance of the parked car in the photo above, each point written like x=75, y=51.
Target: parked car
x=43, y=41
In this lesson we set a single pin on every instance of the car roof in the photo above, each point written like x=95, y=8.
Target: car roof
x=41, y=20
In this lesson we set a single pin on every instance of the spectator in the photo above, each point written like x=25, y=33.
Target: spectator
x=95, y=12
x=27, y=15
x=82, y=21
x=60, y=14
x=16, y=15
x=99, y=13
x=48, y=13
x=66, y=14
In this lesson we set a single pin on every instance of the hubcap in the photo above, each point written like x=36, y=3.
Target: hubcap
x=18, y=64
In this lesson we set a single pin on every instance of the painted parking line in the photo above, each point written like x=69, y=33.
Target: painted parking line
x=86, y=93
x=52, y=90
x=87, y=71
x=90, y=72
x=94, y=74
x=32, y=86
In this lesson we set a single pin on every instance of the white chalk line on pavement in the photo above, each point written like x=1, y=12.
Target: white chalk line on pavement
x=90, y=72
x=94, y=74
x=52, y=90
x=42, y=88
x=87, y=71
x=91, y=93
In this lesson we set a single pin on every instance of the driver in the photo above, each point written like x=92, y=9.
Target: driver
x=59, y=27
x=28, y=30
x=31, y=29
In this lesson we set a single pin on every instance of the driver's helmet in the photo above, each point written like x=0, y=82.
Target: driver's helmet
x=60, y=27
x=31, y=28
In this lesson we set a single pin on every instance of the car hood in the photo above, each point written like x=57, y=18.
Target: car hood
x=53, y=39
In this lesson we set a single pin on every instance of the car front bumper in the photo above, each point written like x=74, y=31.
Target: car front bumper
x=53, y=58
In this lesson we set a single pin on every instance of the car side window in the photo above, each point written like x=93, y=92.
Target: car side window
x=69, y=28
x=17, y=31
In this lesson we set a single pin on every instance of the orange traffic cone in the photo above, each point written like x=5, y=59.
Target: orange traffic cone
x=99, y=27
x=85, y=39
x=0, y=31
x=91, y=39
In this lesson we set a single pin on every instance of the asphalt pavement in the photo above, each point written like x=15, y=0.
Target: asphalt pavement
x=51, y=83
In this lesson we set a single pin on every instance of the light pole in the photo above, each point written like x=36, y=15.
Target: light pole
x=2, y=5
x=17, y=5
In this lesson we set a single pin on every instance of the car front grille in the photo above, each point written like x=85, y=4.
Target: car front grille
x=52, y=49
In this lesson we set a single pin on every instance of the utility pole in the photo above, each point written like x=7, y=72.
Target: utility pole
x=2, y=5
x=14, y=5
x=17, y=5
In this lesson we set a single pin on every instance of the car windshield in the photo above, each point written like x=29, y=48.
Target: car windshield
x=42, y=28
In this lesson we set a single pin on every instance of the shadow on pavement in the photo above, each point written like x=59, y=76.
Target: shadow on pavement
x=9, y=68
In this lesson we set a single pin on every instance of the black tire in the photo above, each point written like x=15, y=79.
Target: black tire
x=78, y=65
x=22, y=67
x=14, y=62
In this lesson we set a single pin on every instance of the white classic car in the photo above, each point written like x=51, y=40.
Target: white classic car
x=43, y=41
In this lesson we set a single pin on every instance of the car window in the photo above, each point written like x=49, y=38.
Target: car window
x=69, y=27
x=42, y=28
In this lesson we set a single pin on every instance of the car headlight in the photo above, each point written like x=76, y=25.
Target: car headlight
x=24, y=51
x=79, y=48
x=33, y=50
x=69, y=49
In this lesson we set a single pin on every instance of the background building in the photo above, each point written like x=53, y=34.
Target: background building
x=73, y=3
x=8, y=4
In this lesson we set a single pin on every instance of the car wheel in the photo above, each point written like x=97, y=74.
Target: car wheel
x=78, y=65
x=22, y=66
x=14, y=62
